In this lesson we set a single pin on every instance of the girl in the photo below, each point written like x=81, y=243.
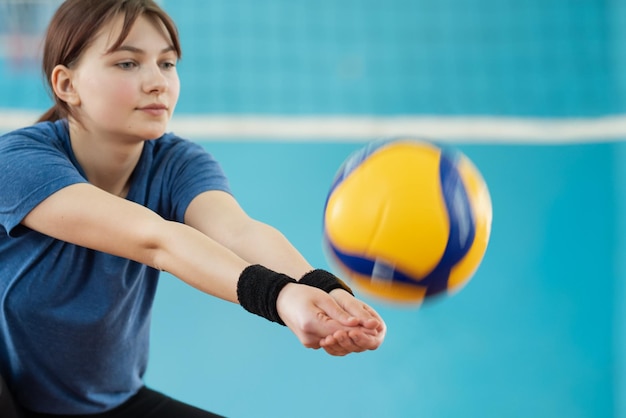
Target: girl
x=96, y=199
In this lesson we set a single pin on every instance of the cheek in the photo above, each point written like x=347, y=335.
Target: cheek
x=121, y=92
x=109, y=99
x=174, y=88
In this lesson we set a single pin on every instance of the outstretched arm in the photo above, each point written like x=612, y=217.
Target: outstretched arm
x=85, y=215
x=218, y=215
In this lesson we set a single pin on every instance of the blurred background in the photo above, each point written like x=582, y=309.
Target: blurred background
x=280, y=92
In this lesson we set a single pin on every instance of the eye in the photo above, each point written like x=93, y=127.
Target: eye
x=126, y=65
x=168, y=65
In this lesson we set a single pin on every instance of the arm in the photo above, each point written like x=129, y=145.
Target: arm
x=84, y=215
x=218, y=215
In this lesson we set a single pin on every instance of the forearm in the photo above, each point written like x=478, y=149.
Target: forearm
x=216, y=268
x=128, y=230
x=198, y=260
x=219, y=216
x=259, y=243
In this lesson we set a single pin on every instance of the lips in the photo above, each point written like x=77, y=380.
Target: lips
x=154, y=106
x=155, y=109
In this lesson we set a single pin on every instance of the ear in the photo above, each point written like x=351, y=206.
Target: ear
x=62, y=83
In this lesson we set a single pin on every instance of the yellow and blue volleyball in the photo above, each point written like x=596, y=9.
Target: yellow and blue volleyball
x=406, y=219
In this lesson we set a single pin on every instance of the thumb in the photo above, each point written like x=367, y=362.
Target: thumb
x=334, y=311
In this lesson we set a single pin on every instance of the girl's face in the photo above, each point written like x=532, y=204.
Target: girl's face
x=132, y=91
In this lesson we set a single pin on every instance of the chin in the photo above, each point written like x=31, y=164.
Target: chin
x=153, y=137
x=151, y=134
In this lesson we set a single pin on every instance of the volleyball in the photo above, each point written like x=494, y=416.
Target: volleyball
x=406, y=219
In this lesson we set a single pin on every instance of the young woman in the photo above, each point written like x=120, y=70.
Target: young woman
x=96, y=199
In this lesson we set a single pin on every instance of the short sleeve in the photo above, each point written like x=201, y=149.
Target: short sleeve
x=181, y=170
x=199, y=173
x=31, y=169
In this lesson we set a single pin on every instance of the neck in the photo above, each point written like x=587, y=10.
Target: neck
x=108, y=163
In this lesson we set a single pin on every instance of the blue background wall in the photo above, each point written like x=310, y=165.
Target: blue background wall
x=539, y=332
x=531, y=335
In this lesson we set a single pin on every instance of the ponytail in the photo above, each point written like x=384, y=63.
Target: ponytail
x=51, y=115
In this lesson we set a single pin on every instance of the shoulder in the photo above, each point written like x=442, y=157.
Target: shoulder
x=176, y=158
x=51, y=134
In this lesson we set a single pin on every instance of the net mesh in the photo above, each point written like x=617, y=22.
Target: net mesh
x=546, y=58
x=22, y=25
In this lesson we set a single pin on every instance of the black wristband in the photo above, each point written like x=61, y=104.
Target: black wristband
x=258, y=289
x=324, y=280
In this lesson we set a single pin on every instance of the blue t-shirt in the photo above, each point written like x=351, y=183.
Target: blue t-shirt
x=75, y=322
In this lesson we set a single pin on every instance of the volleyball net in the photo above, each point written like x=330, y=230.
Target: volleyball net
x=447, y=69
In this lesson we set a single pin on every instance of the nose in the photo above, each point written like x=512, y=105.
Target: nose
x=154, y=81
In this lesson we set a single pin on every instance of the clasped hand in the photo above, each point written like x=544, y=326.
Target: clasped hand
x=337, y=322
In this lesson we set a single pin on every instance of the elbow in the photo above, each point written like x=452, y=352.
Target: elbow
x=153, y=241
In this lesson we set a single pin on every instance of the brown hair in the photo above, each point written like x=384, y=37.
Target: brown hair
x=74, y=27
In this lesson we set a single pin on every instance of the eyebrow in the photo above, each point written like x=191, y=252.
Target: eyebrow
x=136, y=50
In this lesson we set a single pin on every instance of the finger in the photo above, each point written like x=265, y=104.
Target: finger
x=345, y=342
x=371, y=323
x=351, y=341
x=319, y=334
x=332, y=347
x=367, y=316
x=336, y=312
x=364, y=340
x=311, y=343
x=337, y=334
x=370, y=319
x=382, y=327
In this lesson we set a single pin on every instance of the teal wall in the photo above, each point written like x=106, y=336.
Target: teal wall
x=539, y=332
x=619, y=287
x=532, y=335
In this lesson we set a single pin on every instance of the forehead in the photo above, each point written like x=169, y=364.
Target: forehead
x=143, y=28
